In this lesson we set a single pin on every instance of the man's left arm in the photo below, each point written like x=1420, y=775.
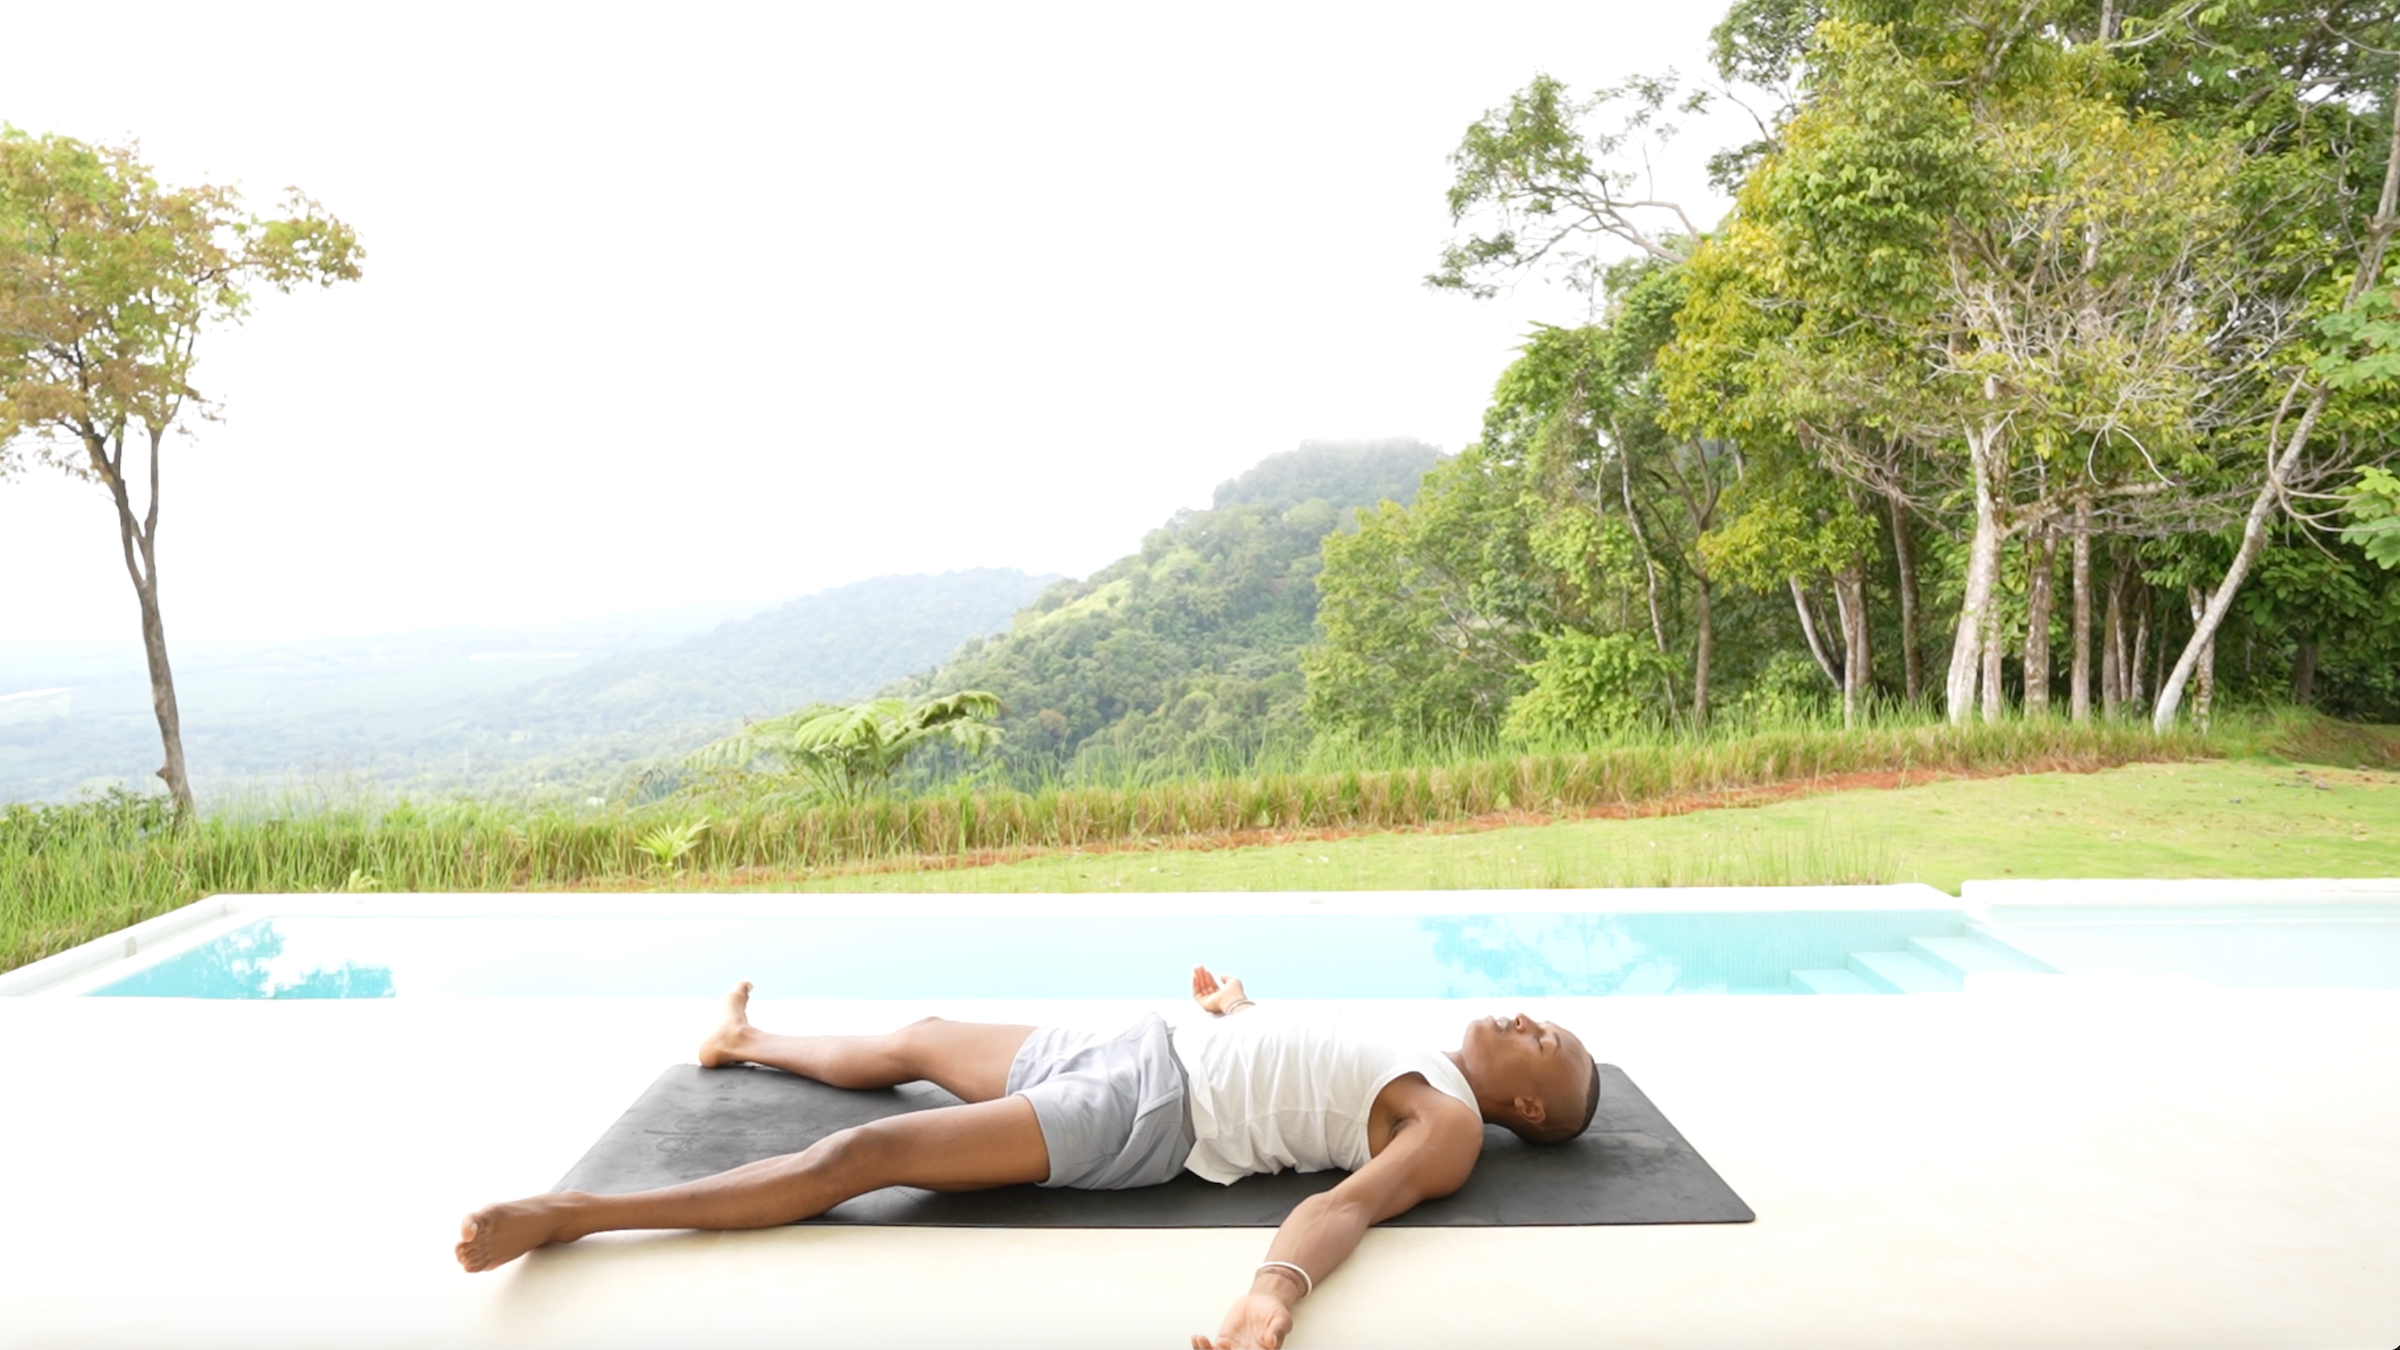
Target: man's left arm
x=1435, y=1141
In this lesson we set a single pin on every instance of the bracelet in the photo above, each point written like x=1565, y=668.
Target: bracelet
x=1245, y=1003
x=1307, y=1285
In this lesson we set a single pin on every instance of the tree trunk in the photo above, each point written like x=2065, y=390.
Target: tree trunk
x=2112, y=645
x=2279, y=469
x=1983, y=571
x=1862, y=648
x=2137, y=692
x=2040, y=552
x=1995, y=694
x=2079, y=678
x=1904, y=554
x=1850, y=603
x=1808, y=629
x=139, y=538
x=1641, y=541
x=2204, y=687
x=1705, y=647
x=2304, y=675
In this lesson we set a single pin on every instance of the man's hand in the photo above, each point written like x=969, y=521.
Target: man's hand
x=1258, y=1322
x=1218, y=996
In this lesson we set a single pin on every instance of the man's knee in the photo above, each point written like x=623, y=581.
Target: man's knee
x=866, y=1151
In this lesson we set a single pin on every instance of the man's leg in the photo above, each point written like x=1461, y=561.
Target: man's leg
x=994, y=1140
x=951, y=1148
x=969, y=1060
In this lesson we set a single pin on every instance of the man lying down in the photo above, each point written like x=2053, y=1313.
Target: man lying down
x=1252, y=1092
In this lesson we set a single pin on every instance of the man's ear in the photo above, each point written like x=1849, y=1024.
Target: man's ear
x=1530, y=1110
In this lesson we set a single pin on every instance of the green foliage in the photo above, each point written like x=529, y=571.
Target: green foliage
x=1788, y=689
x=1789, y=520
x=2365, y=342
x=1762, y=42
x=1859, y=197
x=848, y=754
x=106, y=279
x=2373, y=509
x=670, y=844
x=1588, y=687
x=1544, y=173
x=1430, y=611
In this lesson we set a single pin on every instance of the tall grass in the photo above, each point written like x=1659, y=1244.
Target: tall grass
x=71, y=873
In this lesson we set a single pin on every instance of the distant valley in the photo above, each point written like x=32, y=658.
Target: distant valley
x=548, y=709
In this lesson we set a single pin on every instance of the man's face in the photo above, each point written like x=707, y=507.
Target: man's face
x=1516, y=1057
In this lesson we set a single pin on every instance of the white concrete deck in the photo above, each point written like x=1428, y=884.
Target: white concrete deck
x=2035, y=1163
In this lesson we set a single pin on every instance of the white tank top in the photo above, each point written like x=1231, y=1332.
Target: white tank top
x=1273, y=1087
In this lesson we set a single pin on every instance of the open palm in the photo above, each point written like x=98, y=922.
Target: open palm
x=1217, y=995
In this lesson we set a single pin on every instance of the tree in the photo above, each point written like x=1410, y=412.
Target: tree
x=1430, y=613
x=2029, y=272
x=849, y=753
x=107, y=280
x=1549, y=184
x=2349, y=328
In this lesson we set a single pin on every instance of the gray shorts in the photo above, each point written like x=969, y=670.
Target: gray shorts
x=1112, y=1108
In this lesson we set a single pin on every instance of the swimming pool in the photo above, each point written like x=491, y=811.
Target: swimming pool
x=1408, y=945
x=1335, y=956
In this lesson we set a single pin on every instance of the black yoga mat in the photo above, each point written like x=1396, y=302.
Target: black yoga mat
x=1630, y=1167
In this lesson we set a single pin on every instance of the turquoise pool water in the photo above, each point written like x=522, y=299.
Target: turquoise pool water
x=1345, y=956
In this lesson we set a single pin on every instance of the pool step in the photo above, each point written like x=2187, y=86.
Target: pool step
x=1902, y=973
x=2023, y=960
x=1964, y=956
x=1929, y=965
x=1830, y=982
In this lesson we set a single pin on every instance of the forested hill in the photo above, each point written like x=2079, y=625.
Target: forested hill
x=1190, y=647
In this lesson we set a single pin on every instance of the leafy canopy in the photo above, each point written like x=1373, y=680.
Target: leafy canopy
x=107, y=278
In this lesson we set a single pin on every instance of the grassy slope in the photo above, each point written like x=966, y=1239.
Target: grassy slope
x=2219, y=818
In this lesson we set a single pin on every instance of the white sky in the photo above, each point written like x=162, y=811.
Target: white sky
x=731, y=303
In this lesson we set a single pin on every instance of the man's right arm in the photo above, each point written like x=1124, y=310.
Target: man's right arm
x=1433, y=1147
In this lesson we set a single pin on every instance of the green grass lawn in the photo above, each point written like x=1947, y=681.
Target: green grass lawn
x=2210, y=818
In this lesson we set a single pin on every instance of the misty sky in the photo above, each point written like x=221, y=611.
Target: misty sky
x=714, y=304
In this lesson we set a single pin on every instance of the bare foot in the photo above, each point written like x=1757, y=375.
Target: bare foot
x=725, y=1044
x=498, y=1234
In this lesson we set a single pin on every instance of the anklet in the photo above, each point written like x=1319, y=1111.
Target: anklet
x=1307, y=1285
